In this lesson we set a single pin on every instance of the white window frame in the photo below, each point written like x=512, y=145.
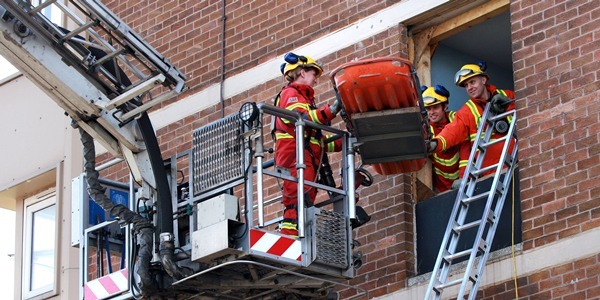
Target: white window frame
x=33, y=205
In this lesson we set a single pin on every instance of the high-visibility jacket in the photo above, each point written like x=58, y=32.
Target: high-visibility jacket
x=300, y=98
x=465, y=124
x=445, y=162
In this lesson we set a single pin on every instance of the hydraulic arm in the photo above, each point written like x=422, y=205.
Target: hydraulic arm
x=105, y=77
x=100, y=72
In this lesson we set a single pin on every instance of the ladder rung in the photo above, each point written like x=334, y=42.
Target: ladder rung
x=466, y=226
x=492, y=142
x=450, y=257
x=78, y=30
x=501, y=116
x=477, y=173
x=41, y=6
x=134, y=92
x=481, y=246
x=442, y=286
x=476, y=197
x=146, y=106
x=107, y=57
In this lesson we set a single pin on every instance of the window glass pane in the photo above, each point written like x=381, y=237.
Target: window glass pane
x=43, y=247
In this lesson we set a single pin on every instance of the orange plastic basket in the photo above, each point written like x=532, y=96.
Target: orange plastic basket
x=379, y=84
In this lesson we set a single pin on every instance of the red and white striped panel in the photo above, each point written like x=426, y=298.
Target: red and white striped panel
x=275, y=244
x=104, y=287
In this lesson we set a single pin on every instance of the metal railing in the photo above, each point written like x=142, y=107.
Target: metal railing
x=301, y=124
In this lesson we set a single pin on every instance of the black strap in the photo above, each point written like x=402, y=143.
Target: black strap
x=273, y=118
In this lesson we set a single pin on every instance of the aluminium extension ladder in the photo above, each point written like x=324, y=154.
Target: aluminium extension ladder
x=105, y=77
x=101, y=72
x=487, y=223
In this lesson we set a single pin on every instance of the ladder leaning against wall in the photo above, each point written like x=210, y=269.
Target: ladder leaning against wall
x=470, y=277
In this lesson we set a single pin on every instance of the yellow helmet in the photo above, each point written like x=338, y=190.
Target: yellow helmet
x=293, y=61
x=434, y=95
x=470, y=70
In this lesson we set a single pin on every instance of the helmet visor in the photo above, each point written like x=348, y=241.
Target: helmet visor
x=315, y=66
x=429, y=101
x=460, y=74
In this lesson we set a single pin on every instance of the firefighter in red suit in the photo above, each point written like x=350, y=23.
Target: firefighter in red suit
x=468, y=118
x=445, y=162
x=301, y=73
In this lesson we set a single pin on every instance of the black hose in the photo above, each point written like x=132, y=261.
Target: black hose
x=164, y=210
x=165, y=207
x=142, y=227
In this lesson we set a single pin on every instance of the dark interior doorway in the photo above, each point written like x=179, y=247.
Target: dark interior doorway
x=489, y=41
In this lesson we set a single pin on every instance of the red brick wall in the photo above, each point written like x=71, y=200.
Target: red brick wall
x=189, y=33
x=387, y=241
x=557, y=67
x=557, y=63
x=572, y=281
x=115, y=262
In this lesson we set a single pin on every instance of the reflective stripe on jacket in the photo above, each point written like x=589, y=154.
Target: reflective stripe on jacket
x=300, y=98
x=465, y=126
x=445, y=163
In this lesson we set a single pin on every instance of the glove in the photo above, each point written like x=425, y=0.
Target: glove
x=499, y=103
x=431, y=146
x=336, y=107
x=455, y=184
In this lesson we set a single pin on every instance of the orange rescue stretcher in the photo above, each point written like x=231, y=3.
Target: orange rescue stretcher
x=381, y=107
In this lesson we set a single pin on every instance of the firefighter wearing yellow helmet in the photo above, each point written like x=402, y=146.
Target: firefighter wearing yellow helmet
x=475, y=80
x=469, y=71
x=301, y=73
x=293, y=61
x=445, y=163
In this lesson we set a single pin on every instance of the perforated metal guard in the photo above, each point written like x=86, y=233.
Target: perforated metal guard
x=217, y=154
x=331, y=239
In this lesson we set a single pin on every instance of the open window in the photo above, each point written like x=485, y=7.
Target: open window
x=444, y=41
x=39, y=246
